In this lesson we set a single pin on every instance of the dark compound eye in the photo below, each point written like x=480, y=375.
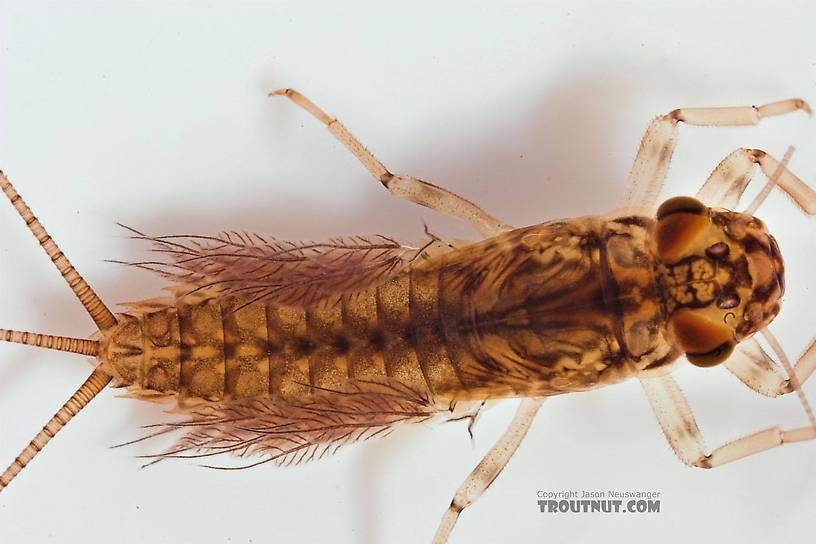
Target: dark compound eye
x=680, y=223
x=713, y=357
x=718, y=251
x=705, y=341
x=728, y=300
x=681, y=204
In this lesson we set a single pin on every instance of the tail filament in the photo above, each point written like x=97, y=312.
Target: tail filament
x=59, y=343
x=87, y=391
x=101, y=315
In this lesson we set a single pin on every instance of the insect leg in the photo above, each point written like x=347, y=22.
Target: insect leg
x=674, y=415
x=408, y=187
x=657, y=146
x=489, y=468
x=729, y=179
x=758, y=371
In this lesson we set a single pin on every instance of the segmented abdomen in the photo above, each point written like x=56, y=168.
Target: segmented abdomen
x=221, y=350
x=558, y=307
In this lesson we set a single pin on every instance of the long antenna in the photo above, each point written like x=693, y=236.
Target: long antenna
x=771, y=183
x=794, y=380
x=772, y=341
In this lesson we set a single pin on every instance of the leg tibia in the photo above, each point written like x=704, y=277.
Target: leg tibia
x=489, y=468
x=746, y=446
x=674, y=415
x=410, y=188
x=758, y=371
x=736, y=116
x=656, y=149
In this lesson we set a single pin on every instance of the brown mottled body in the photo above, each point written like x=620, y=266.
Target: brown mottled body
x=290, y=350
x=557, y=307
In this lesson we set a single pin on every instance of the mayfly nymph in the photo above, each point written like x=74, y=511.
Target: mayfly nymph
x=286, y=351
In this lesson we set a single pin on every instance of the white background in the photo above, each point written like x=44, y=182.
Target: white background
x=158, y=118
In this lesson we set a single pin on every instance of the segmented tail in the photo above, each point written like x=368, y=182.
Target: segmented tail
x=101, y=315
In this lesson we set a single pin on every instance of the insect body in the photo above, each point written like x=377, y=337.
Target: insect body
x=554, y=308
x=532, y=312
x=287, y=351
